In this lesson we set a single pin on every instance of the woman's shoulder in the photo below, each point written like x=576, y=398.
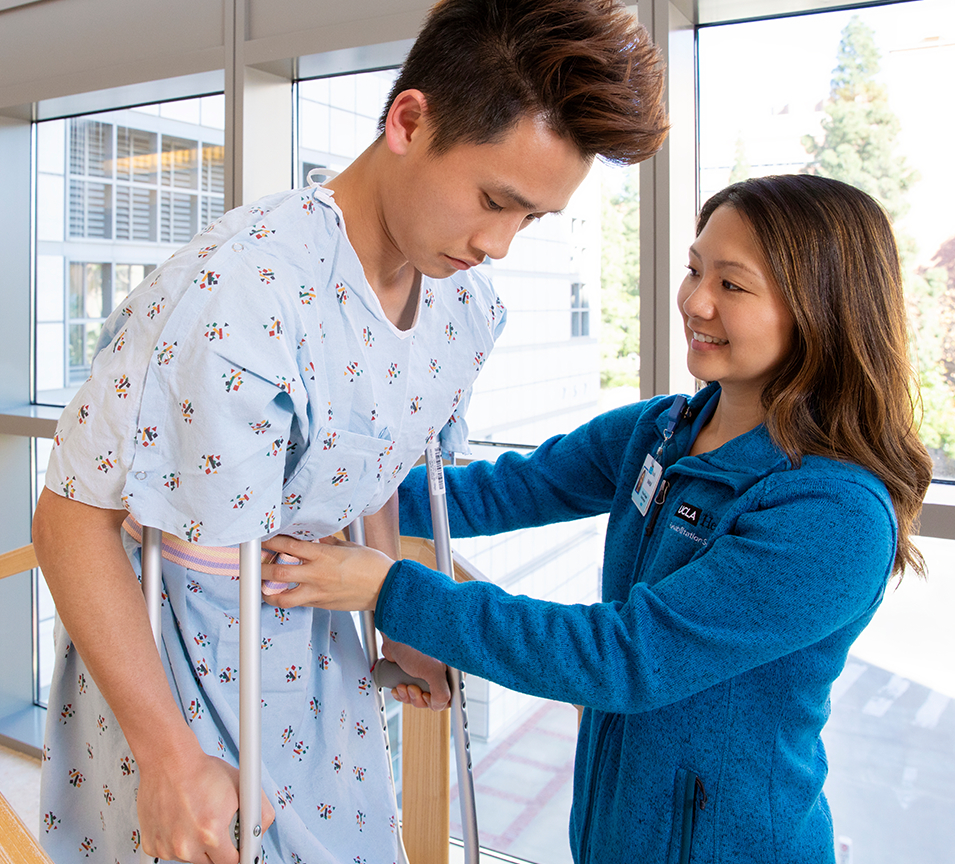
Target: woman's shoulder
x=837, y=485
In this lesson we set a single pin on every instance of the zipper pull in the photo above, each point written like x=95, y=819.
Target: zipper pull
x=658, y=502
x=699, y=794
x=662, y=492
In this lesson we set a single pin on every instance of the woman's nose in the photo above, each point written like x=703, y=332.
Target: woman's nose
x=698, y=301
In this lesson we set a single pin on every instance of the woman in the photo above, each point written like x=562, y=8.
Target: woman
x=752, y=531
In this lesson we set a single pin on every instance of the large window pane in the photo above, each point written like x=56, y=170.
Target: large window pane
x=853, y=95
x=117, y=193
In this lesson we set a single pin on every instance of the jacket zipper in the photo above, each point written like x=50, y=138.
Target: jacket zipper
x=595, y=782
x=694, y=800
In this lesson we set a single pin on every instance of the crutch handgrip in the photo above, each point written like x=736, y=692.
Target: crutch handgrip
x=389, y=675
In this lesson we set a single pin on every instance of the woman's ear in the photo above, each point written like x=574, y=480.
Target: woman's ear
x=406, y=122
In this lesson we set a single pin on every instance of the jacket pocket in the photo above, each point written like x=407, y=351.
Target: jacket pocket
x=689, y=798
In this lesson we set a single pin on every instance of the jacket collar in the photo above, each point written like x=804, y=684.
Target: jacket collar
x=751, y=455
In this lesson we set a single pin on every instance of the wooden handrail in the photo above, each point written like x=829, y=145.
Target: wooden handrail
x=17, y=844
x=426, y=749
x=17, y=561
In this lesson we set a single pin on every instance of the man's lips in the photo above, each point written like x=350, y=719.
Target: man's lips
x=462, y=263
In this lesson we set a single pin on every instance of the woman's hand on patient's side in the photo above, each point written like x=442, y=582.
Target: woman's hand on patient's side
x=334, y=574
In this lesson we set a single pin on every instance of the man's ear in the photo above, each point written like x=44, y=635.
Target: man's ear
x=406, y=121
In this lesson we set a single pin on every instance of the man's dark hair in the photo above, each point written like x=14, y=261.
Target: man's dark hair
x=586, y=67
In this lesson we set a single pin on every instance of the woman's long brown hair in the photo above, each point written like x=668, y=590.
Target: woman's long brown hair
x=847, y=390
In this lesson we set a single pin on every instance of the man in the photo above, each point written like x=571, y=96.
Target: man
x=297, y=419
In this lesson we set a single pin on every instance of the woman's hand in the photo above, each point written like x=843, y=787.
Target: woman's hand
x=334, y=574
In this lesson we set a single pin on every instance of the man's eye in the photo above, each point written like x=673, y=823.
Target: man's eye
x=493, y=205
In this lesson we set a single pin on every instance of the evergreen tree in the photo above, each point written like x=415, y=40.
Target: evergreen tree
x=741, y=170
x=858, y=147
x=860, y=129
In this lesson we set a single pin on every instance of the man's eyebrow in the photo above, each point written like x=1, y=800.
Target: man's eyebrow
x=518, y=199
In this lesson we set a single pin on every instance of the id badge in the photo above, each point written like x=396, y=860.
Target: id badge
x=646, y=486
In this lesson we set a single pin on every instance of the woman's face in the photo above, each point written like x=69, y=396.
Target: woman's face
x=737, y=326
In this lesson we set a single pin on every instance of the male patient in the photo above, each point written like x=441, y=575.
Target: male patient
x=305, y=413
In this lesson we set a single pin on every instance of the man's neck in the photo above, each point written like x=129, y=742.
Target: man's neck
x=391, y=276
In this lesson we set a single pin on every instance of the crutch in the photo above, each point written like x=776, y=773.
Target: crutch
x=249, y=827
x=390, y=674
x=438, y=500
x=356, y=533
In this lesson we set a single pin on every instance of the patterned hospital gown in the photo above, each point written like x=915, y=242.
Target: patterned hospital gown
x=252, y=385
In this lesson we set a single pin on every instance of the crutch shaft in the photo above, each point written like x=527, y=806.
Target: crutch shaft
x=356, y=533
x=151, y=576
x=459, y=717
x=250, y=702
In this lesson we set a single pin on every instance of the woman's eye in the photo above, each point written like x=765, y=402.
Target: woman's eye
x=691, y=270
x=493, y=205
x=729, y=286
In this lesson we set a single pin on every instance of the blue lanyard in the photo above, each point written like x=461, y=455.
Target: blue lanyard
x=673, y=417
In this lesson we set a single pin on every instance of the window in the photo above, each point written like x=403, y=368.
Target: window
x=579, y=311
x=852, y=101
x=116, y=194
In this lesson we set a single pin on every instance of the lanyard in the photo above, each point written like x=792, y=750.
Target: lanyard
x=673, y=417
x=652, y=472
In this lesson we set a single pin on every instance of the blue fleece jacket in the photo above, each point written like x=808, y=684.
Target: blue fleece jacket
x=705, y=673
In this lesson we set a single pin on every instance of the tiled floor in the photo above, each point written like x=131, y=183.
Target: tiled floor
x=20, y=785
x=523, y=784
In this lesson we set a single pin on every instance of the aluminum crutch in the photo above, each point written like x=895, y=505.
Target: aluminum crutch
x=356, y=533
x=151, y=569
x=250, y=678
x=437, y=497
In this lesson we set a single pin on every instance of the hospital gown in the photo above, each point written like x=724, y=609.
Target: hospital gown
x=251, y=386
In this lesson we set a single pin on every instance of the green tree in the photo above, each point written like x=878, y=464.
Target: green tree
x=860, y=130
x=620, y=286
x=858, y=146
x=741, y=170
